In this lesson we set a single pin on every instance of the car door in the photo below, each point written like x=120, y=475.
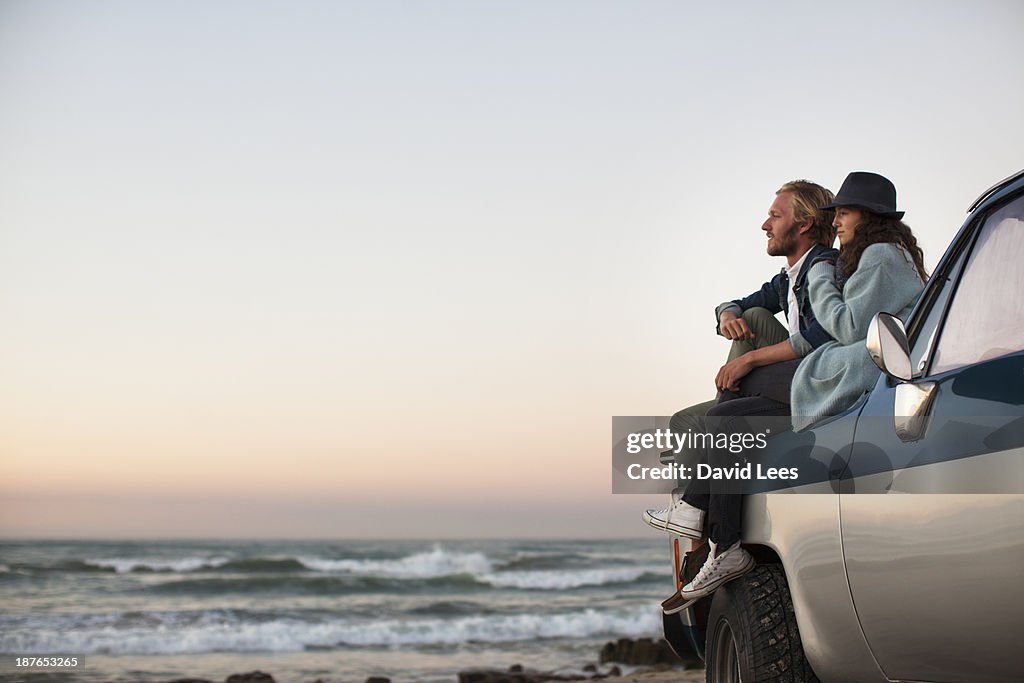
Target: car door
x=933, y=518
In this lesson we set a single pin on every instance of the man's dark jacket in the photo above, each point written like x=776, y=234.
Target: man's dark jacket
x=774, y=295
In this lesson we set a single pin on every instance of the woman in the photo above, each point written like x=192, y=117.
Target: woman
x=880, y=268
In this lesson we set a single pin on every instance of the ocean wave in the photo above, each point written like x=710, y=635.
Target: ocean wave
x=124, y=565
x=507, y=628
x=262, y=564
x=449, y=608
x=423, y=565
x=544, y=560
x=437, y=568
x=69, y=566
x=220, y=631
x=290, y=584
x=347, y=584
x=436, y=563
x=574, y=578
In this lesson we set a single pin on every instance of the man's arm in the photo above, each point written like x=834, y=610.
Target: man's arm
x=731, y=373
x=766, y=297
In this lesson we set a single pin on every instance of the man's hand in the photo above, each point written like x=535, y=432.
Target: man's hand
x=734, y=327
x=731, y=373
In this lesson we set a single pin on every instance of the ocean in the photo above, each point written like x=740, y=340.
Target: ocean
x=335, y=610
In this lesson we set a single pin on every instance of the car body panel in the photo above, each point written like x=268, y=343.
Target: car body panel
x=936, y=578
x=936, y=583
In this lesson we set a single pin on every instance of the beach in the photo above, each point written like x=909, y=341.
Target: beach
x=418, y=611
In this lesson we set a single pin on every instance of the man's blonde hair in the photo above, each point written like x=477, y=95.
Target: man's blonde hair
x=808, y=198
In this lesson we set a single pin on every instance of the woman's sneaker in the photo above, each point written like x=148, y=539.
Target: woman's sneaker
x=678, y=518
x=721, y=567
x=676, y=603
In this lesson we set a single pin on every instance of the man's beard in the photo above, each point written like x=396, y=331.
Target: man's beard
x=783, y=246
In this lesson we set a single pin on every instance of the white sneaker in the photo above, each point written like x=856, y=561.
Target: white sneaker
x=678, y=518
x=720, y=568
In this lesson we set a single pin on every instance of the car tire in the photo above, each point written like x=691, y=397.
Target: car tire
x=752, y=633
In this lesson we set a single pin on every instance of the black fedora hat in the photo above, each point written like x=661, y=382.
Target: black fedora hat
x=870, y=191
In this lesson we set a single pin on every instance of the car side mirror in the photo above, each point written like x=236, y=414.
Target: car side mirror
x=888, y=347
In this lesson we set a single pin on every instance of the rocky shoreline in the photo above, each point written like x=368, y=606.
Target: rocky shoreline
x=644, y=660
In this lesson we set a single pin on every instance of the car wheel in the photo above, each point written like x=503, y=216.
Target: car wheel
x=752, y=633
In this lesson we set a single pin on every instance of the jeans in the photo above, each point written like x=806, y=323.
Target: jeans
x=764, y=392
x=721, y=499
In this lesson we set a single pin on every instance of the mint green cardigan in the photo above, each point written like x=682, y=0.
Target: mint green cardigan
x=835, y=375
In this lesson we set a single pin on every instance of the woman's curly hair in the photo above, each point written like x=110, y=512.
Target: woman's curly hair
x=874, y=229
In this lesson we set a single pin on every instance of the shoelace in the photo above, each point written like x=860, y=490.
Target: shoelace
x=706, y=571
x=667, y=512
x=676, y=502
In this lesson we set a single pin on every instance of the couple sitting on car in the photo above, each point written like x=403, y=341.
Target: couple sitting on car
x=817, y=367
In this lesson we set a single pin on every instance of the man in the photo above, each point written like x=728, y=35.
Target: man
x=762, y=360
x=799, y=230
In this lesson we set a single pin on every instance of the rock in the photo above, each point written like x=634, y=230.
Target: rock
x=190, y=680
x=590, y=668
x=483, y=676
x=615, y=671
x=516, y=669
x=378, y=679
x=610, y=651
x=251, y=677
x=645, y=651
x=639, y=652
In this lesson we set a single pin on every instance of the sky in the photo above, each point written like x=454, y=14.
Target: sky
x=388, y=269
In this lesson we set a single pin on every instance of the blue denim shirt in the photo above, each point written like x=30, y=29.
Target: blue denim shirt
x=774, y=295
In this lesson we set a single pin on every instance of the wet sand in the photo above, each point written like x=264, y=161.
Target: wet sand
x=672, y=676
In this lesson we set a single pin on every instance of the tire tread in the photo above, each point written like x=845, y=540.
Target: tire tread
x=765, y=612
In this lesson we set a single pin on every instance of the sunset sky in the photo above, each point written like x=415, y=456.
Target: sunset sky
x=388, y=269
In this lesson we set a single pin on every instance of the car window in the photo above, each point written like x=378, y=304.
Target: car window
x=922, y=335
x=986, y=316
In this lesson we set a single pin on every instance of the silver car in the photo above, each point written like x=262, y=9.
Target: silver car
x=910, y=565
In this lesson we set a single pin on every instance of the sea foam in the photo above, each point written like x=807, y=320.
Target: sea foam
x=124, y=565
x=220, y=631
x=427, y=565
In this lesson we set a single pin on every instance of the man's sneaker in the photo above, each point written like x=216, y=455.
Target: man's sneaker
x=721, y=567
x=678, y=518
